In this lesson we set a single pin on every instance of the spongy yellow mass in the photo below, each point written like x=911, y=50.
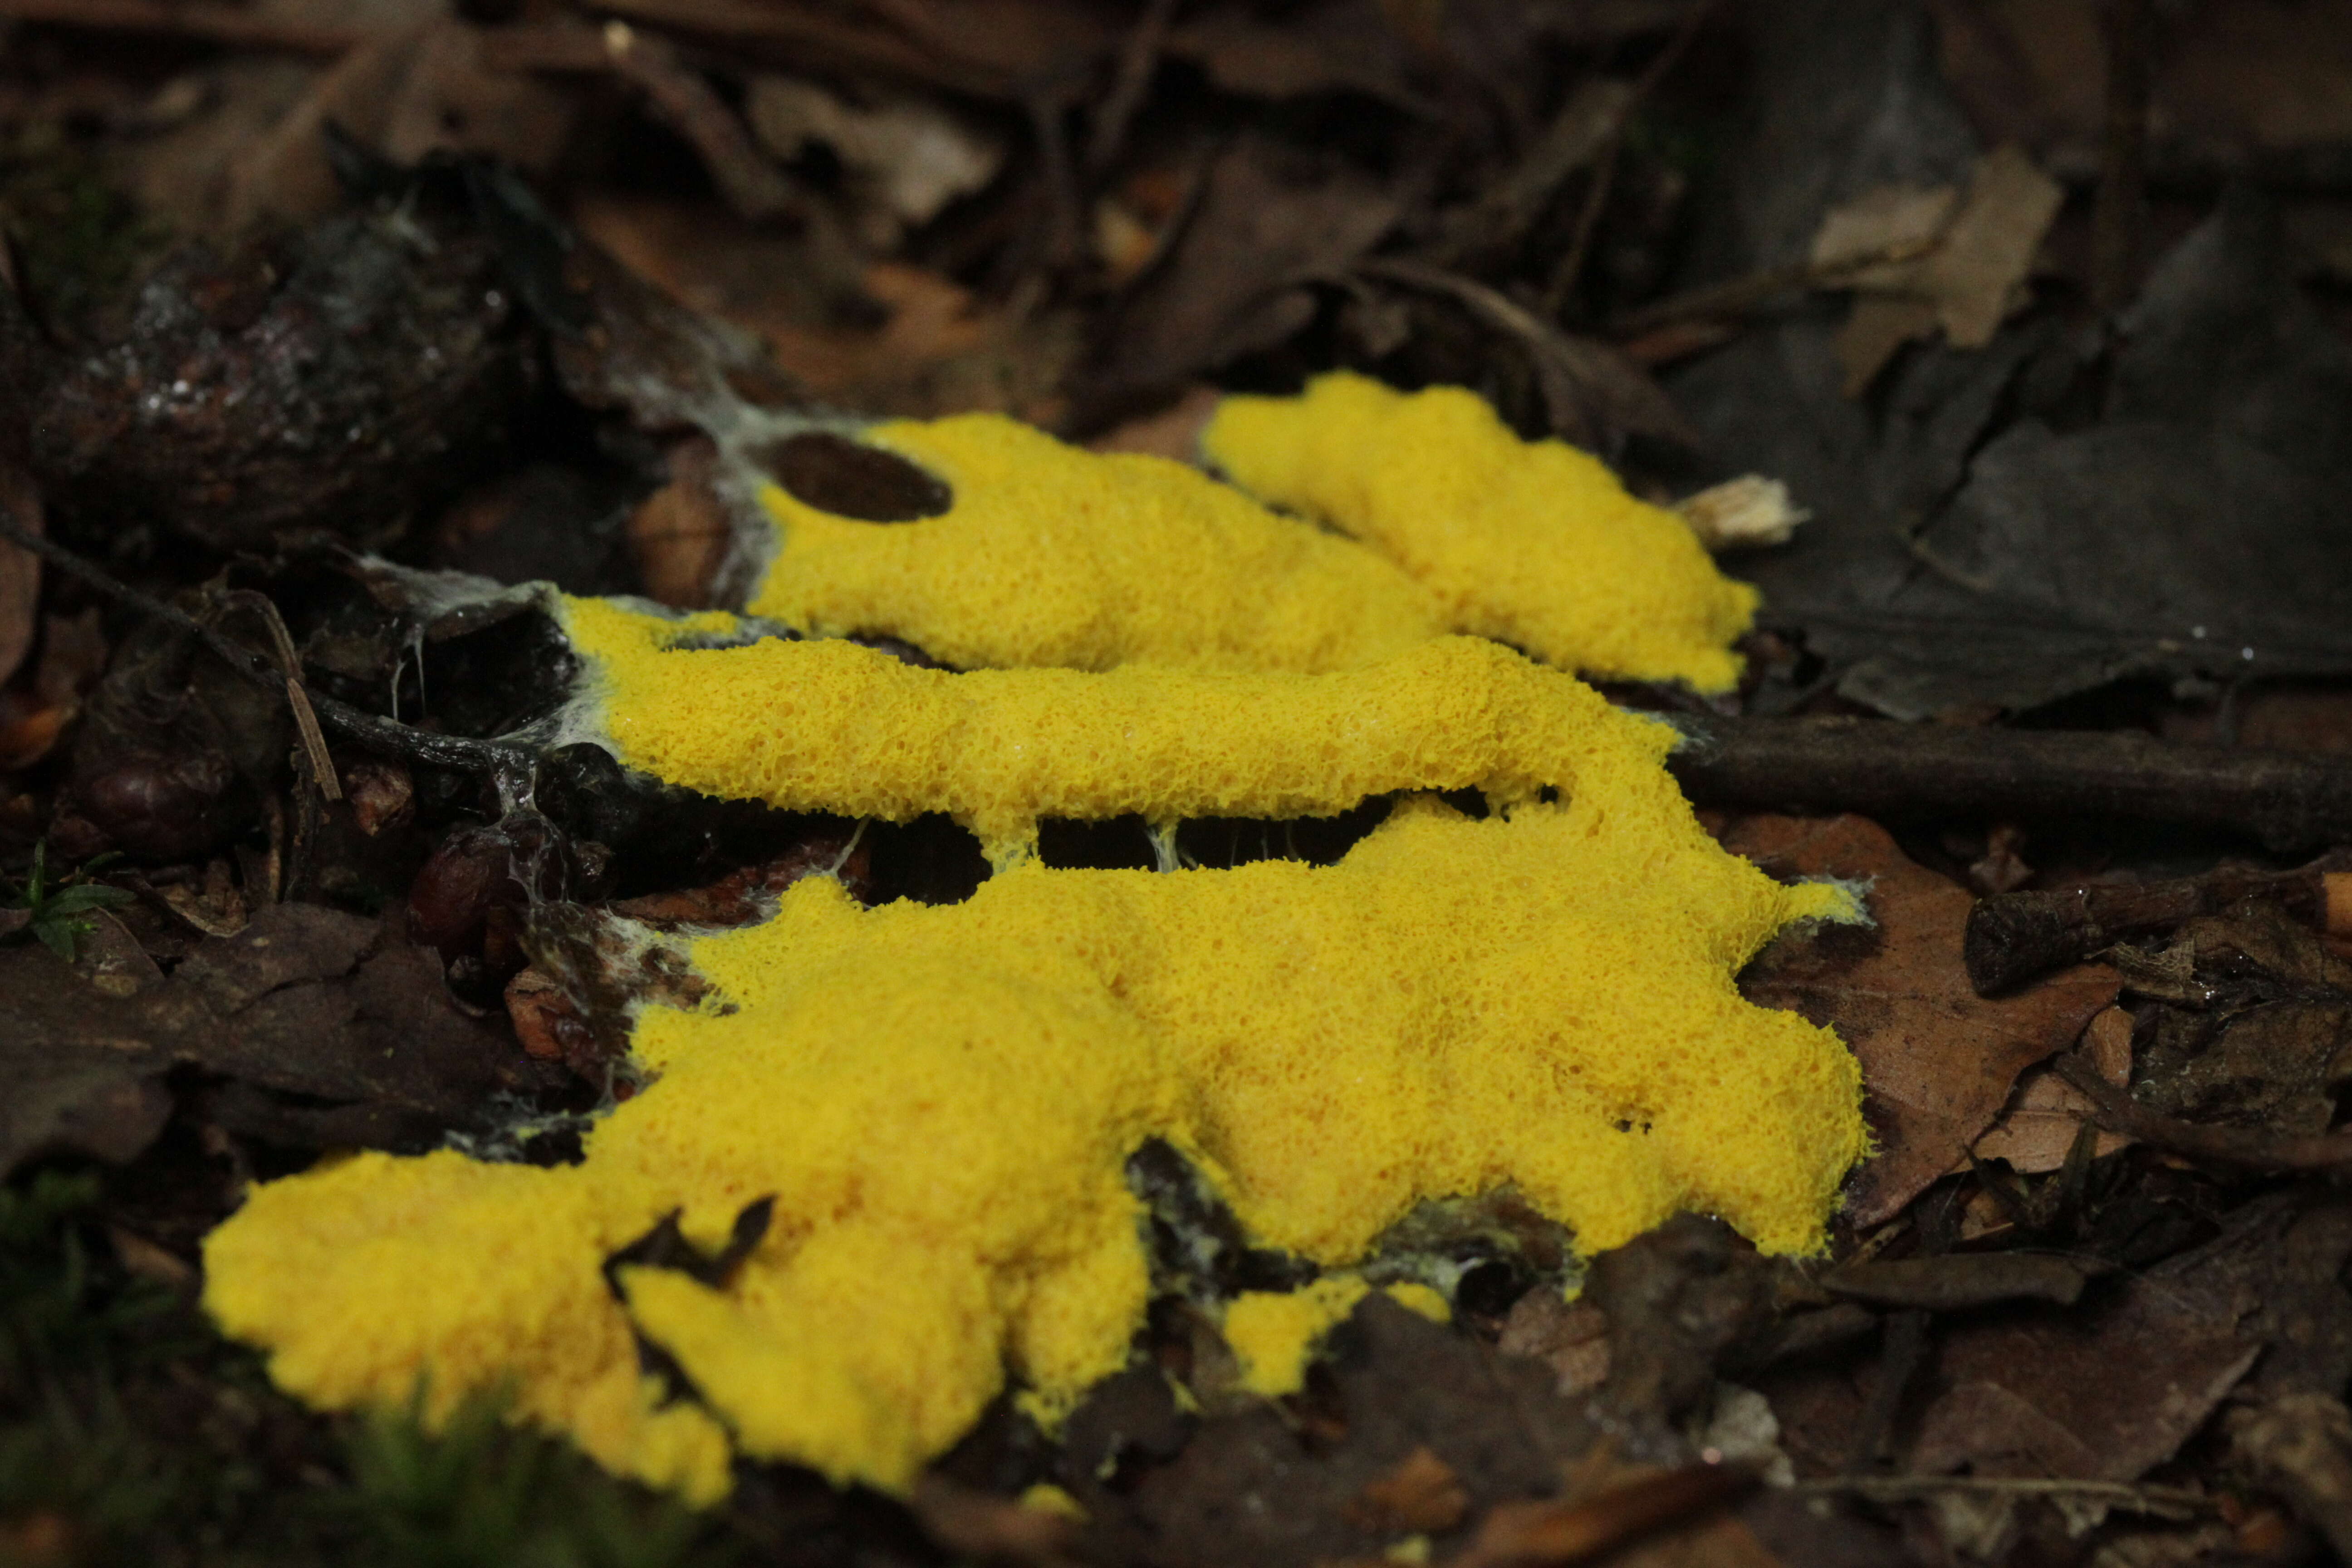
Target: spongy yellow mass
x=939, y=1102
x=1534, y=543
x=832, y=726
x=1053, y=556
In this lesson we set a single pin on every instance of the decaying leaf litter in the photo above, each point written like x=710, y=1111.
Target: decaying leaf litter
x=306, y=305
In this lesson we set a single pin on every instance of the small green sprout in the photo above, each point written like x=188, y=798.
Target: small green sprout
x=60, y=914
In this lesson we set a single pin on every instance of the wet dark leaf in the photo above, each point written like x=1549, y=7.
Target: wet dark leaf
x=1269, y=218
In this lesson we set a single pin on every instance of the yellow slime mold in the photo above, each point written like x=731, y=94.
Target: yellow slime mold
x=1053, y=556
x=1536, y=544
x=940, y=1101
x=831, y=726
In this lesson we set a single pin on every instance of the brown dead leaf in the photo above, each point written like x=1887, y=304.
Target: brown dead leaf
x=680, y=535
x=903, y=157
x=1570, y=1337
x=327, y=1029
x=1634, y=1516
x=1971, y=266
x=83, y=1073
x=1338, y=45
x=936, y=350
x=2096, y=1394
x=1267, y=217
x=2038, y=1130
x=405, y=95
x=1421, y=1495
x=975, y=1524
x=1938, y=1060
x=2231, y=81
x=20, y=570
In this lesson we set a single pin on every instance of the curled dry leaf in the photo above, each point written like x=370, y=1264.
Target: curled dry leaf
x=1938, y=1060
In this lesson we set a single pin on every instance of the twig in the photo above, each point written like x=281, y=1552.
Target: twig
x=812, y=38
x=1955, y=1281
x=289, y=669
x=2117, y=1111
x=1739, y=296
x=2012, y=937
x=1588, y=223
x=1588, y=122
x=2165, y=1502
x=216, y=23
x=2120, y=218
x=753, y=186
x=1580, y=379
x=1064, y=209
x=1604, y=173
x=1139, y=58
x=387, y=736
x=1902, y=1347
x=2288, y=800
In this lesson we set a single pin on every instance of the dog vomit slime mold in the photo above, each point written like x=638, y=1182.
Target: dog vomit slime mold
x=1053, y=556
x=938, y=1102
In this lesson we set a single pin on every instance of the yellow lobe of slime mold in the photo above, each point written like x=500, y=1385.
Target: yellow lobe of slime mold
x=941, y=1100
x=1051, y=556
x=1274, y=1333
x=1533, y=543
x=832, y=726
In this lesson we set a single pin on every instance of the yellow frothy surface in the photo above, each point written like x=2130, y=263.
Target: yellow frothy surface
x=940, y=1101
x=832, y=726
x=1534, y=543
x=1054, y=555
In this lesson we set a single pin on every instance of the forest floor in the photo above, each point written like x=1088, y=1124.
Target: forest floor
x=2039, y=311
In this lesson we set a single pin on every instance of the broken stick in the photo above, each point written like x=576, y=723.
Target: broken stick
x=2286, y=800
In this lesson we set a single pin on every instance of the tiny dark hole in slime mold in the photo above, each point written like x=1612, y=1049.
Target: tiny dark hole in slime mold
x=847, y=478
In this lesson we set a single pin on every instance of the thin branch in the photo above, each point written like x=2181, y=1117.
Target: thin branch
x=1587, y=224
x=1065, y=208
x=387, y=737
x=1139, y=59
x=755, y=187
x=236, y=26
x=1604, y=173
x=2119, y=222
x=2168, y=1503
x=1591, y=390
x=1739, y=296
x=290, y=667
